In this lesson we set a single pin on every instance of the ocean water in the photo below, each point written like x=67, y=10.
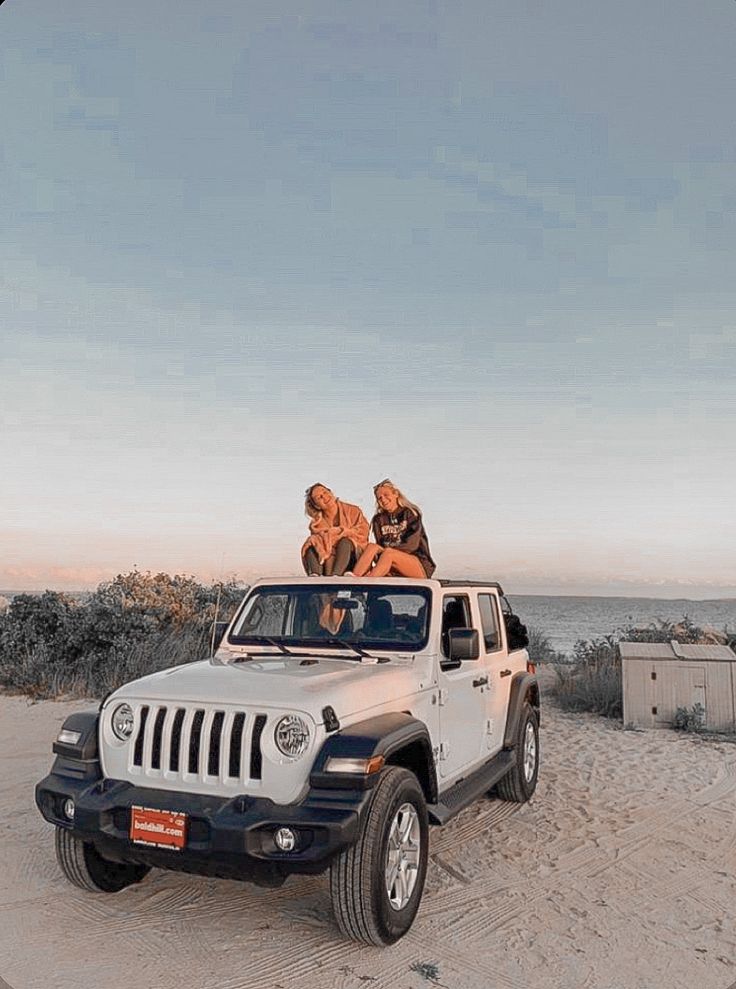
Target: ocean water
x=566, y=619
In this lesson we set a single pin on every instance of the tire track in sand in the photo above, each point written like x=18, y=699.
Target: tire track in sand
x=582, y=863
x=687, y=882
x=452, y=835
x=282, y=966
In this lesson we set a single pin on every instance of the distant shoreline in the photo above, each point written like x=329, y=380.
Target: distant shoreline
x=726, y=599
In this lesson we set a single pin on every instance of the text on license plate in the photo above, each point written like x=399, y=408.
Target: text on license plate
x=159, y=828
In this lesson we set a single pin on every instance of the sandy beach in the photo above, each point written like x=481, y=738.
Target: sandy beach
x=619, y=874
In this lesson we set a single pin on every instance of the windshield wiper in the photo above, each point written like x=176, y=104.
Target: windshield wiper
x=272, y=642
x=333, y=640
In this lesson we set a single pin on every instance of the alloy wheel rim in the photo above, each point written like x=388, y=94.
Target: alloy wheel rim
x=402, y=856
x=530, y=752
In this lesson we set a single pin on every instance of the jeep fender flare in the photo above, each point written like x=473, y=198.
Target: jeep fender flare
x=85, y=749
x=77, y=765
x=524, y=687
x=400, y=738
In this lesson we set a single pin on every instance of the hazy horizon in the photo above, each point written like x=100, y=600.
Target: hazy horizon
x=664, y=592
x=486, y=251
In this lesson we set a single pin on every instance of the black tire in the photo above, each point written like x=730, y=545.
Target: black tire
x=358, y=881
x=520, y=783
x=83, y=865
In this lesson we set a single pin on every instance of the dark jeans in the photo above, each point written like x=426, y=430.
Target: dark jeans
x=342, y=559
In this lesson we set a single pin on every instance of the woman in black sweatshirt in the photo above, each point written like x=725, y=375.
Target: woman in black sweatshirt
x=401, y=548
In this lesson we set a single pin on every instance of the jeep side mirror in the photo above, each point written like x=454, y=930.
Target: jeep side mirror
x=464, y=643
x=218, y=631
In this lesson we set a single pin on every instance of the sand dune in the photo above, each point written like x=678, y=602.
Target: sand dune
x=619, y=874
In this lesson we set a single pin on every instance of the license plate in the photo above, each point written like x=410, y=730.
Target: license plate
x=158, y=828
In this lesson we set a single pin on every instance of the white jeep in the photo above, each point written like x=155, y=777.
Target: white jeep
x=336, y=721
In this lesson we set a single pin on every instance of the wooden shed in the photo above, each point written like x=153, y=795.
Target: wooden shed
x=659, y=677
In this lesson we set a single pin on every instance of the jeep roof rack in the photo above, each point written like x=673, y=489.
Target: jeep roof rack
x=472, y=583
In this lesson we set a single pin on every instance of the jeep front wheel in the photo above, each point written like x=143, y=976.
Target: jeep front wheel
x=520, y=783
x=83, y=865
x=376, y=885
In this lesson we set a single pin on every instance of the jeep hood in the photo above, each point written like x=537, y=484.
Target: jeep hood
x=300, y=683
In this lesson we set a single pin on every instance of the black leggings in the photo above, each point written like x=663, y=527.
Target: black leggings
x=341, y=560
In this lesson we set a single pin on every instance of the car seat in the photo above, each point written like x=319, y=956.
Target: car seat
x=415, y=624
x=379, y=621
x=453, y=616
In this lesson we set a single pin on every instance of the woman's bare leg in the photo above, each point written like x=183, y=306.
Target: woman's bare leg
x=397, y=562
x=366, y=559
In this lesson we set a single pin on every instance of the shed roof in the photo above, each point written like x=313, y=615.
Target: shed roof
x=704, y=652
x=676, y=650
x=646, y=650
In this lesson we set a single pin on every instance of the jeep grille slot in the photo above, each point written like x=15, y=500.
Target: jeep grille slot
x=176, y=740
x=236, y=745
x=256, y=759
x=158, y=727
x=213, y=762
x=138, y=747
x=194, y=740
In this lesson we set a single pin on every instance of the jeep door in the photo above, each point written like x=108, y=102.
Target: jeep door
x=462, y=700
x=498, y=668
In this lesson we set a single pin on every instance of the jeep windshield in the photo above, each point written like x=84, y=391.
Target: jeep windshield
x=334, y=616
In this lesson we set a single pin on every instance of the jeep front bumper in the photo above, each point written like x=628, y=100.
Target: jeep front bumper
x=227, y=837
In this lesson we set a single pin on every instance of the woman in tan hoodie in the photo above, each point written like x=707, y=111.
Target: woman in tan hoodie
x=338, y=533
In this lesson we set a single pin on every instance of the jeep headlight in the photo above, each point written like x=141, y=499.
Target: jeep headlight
x=122, y=722
x=291, y=735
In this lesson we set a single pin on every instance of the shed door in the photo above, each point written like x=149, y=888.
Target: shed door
x=681, y=686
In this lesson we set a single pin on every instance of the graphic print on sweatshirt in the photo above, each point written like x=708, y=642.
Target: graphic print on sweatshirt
x=392, y=532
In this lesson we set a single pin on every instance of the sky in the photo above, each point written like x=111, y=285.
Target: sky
x=484, y=249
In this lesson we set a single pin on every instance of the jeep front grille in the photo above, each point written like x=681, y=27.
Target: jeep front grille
x=205, y=743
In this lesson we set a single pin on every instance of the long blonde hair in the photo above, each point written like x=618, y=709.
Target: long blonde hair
x=310, y=508
x=403, y=500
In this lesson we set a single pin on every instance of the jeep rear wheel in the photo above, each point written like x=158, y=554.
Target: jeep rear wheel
x=376, y=885
x=521, y=781
x=83, y=865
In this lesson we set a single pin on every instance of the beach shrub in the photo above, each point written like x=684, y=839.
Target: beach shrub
x=689, y=719
x=136, y=624
x=540, y=648
x=38, y=640
x=684, y=631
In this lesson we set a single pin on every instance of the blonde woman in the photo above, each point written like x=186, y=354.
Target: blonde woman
x=338, y=533
x=401, y=546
